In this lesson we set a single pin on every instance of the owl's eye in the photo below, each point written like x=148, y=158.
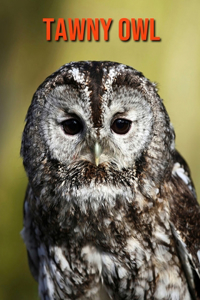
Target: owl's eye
x=72, y=126
x=121, y=126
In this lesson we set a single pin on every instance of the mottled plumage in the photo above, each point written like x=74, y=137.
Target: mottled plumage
x=110, y=210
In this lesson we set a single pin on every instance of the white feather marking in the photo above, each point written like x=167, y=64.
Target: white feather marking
x=122, y=272
x=198, y=255
x=162, y=253
x=108, y=262
x=139, y=292
x=60, y=259
x=180, y=172
x=136, y=252
x=160, y=235
x=78, y=76
x=161, y=292
x=175, y=295
x=113, y=72
x=92, y=256
x=101, y=195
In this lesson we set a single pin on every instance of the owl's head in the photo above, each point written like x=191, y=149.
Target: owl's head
x=96, y=115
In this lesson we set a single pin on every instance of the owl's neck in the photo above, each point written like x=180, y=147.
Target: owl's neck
x=89, y=213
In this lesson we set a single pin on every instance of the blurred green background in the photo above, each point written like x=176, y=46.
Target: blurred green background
x=27, y=59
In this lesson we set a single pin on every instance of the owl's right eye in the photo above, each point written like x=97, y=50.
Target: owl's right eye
x=72, y=126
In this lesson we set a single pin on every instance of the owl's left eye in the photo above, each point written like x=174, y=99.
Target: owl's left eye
x=72, y=126
x=121, y=126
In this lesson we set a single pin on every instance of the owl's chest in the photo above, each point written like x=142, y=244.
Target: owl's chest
x=134, y=273
x=123, y=252
x=135, y=258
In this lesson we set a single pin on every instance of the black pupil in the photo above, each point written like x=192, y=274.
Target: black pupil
x=121, y=126
x=72, y=126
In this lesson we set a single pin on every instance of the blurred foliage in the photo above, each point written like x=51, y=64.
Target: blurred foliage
x=27, y=59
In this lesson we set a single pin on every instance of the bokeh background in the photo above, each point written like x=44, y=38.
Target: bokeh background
x=27, y=59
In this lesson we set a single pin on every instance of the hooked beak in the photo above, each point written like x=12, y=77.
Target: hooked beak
x=97, y=153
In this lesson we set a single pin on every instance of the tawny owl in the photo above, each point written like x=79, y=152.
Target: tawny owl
x=110, y=210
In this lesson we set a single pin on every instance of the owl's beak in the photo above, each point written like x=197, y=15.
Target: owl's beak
x=97, y=153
